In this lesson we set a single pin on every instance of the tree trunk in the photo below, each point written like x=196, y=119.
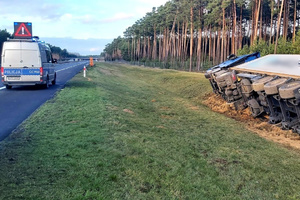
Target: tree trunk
x=205, y=47
x=144, y=47
x=179, y=41
x=199, y=49
x=214, y=49
x=233, y=38
x=223, y=33
x=132, y=49
x=260, y=24
x=185, y=42
x=278, y=27
x=138, y=48
x=241, y=29
x=209, y=44
x=182, y=43
x=271, y=23
x=128, y=48
x=218, y=47
x=154, y=50
x=285, y=23
x=167, y=49
x=172, y=39
x=287, y=19
x=149, y=49
x=159, y=47
x=295, y=17
x=251, y=30
x=165, y=46
x=265, y=29
x=228, y=44
x=256, y=15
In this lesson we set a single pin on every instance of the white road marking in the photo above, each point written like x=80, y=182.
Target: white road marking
x=2, y=88
x=68, y=68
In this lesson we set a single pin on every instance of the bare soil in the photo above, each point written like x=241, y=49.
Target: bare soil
x=128, y=111
x=257, y=125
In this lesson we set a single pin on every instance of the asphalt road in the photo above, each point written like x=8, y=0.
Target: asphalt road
x=19, y=103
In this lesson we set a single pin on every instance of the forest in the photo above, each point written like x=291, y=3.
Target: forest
x=193, y=35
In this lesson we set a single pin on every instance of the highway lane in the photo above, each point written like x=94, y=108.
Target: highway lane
x=19, y=103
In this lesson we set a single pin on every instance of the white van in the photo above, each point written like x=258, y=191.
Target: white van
x=27, y=62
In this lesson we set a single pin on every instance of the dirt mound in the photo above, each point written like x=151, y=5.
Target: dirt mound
x=257, y=125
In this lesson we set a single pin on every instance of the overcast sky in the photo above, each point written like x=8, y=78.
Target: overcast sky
x=76, y=19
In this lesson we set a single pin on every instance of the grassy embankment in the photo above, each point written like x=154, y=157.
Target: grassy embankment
x=138, y=133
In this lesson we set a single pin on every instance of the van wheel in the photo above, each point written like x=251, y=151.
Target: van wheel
x=54, y=80
x=8, y=87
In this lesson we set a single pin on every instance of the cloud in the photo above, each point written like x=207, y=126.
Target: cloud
x=156, y=2
x=32, y=8
x=143, y=10
x=66, y=17
x=153, y=3
x=50, y=12
x=88, y=19
x=91, y=19
x=75, y=19
x=117, y=17
x=84, y=19
x=94, y=49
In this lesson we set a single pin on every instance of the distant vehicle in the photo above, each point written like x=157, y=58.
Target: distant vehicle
x=27, y=62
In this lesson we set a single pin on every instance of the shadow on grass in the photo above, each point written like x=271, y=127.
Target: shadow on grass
x=81, y=84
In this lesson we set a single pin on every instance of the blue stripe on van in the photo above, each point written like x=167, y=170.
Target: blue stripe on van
x=18, y=72
x=31, y=71
x=10, y=72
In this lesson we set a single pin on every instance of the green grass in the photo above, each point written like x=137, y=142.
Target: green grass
x=140, y=133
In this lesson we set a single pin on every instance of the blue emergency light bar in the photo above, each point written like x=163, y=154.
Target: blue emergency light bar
x=27, y=23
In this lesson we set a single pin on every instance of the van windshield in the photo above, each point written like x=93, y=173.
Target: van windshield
x=21, y=58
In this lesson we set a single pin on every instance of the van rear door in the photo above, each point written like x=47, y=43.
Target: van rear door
x=21, y=62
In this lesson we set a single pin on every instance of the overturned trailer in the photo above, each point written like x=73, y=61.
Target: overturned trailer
x=267, y=85
x=224, y=82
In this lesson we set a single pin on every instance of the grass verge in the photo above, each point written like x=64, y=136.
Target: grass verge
x=138, y=133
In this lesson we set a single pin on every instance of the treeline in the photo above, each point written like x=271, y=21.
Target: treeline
x=194, y=34
x=3, y=37
x=62, y=53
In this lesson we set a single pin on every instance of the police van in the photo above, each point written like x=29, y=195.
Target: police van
x=27, y=62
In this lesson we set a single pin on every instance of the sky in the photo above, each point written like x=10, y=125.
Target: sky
x=65, y=23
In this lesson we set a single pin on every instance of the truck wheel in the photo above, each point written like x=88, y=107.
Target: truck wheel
x=8, y=87
x=259, y=84
x=271, y=88
x=54, y=80
x=287, y=90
